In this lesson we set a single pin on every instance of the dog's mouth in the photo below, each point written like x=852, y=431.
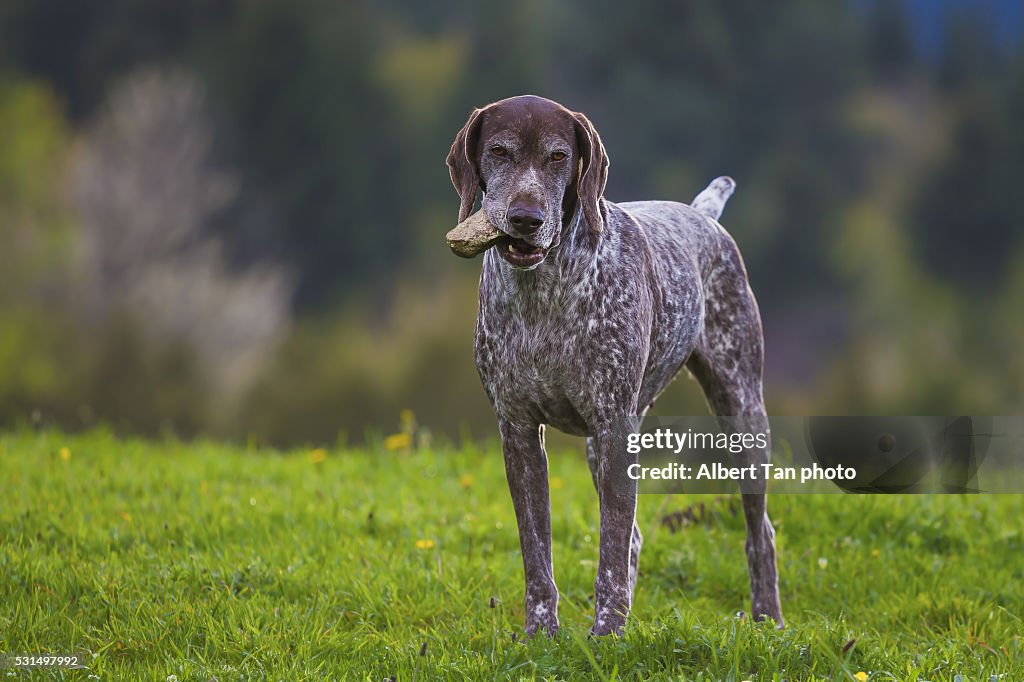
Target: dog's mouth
x=519, y=253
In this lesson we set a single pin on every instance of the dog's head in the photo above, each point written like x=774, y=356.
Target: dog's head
x=536, y=162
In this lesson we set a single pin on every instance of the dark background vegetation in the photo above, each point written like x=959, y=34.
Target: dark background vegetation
x=227, y=217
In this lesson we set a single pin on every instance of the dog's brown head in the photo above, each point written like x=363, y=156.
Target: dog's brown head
x=537, y=162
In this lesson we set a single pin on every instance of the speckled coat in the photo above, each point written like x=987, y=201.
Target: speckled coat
x=584, y=339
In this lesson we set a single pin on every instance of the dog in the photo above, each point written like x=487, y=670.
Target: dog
x=587, y=311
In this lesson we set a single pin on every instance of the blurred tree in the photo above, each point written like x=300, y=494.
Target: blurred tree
x=81, y=47
x=890, y=46
x=35, y=248
x=966, y=215
x=922, y=343
x=34, y=229
x=738, y=88
x=970, y=56
x=351, y=374
x=148, y=189
x=317, y=131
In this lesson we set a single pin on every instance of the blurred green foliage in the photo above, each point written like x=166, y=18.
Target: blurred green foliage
x=32, y=233
x=877, y=206
x=31, y=214
x=354, y=372
x=55, y=363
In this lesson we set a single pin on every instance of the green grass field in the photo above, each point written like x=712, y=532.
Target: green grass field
x=166, y=560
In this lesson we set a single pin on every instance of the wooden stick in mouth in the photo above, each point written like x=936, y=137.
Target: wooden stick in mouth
x=473, y=236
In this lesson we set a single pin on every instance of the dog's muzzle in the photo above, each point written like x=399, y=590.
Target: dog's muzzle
x=519, y=253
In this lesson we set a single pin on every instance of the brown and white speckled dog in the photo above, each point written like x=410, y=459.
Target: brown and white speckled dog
x=588, y=309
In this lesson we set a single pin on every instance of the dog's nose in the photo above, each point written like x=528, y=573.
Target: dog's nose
x=524, y=218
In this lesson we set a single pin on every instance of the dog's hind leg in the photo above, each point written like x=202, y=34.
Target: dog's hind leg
x=727, y=363
x=637, y=539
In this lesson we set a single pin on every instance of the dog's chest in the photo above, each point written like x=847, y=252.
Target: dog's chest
x=533, y=366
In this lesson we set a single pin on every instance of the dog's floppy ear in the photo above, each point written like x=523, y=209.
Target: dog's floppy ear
x=593, y=174
x=462, y=163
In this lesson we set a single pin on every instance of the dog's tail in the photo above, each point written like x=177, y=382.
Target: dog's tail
x=712, y=200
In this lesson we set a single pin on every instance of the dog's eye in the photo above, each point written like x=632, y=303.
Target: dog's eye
x=558, y=156
x=498, y=150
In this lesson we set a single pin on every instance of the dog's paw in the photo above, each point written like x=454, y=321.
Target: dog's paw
x=541, y=616
x=769, y=612
x=608, y=621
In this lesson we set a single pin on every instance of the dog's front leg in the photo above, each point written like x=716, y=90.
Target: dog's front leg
x=526, y=467
x=617, y=492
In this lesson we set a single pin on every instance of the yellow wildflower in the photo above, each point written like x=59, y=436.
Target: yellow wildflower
x=65, y=454
x=398, y=441
x=466, y=480
x=875, y=553
x=318, y=455
x=425, y=544
x=126, y=516
x=862, y=676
